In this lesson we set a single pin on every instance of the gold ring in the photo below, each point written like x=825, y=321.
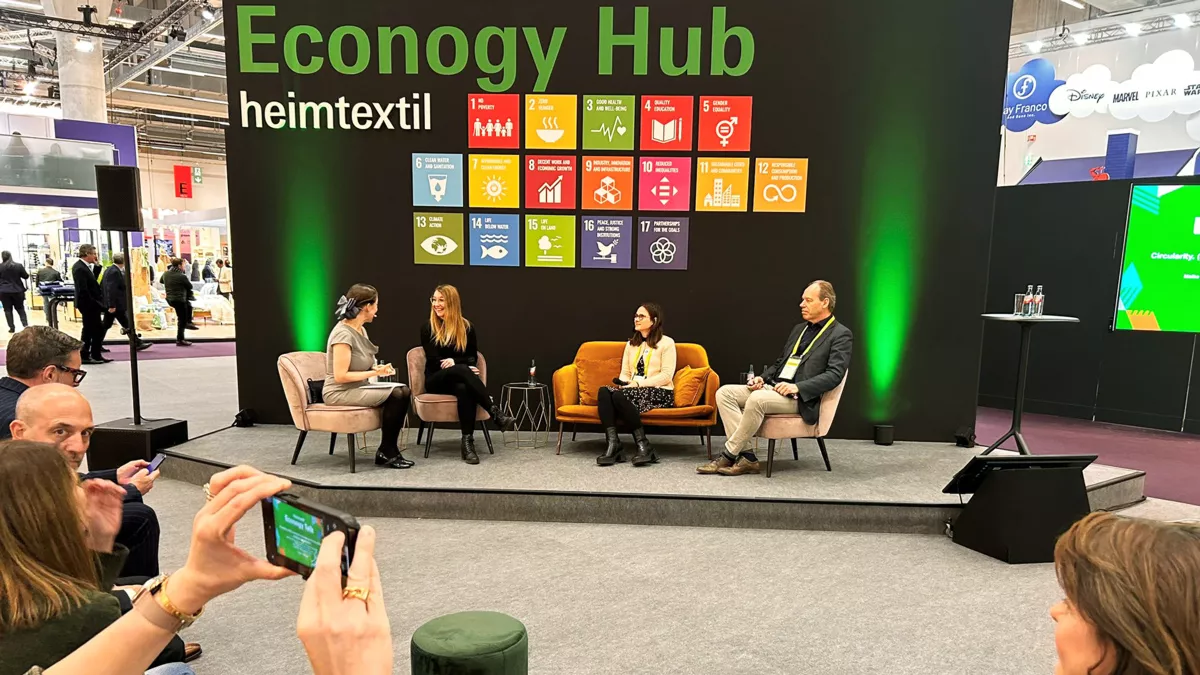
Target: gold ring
x=208, y=495
x=355, y=592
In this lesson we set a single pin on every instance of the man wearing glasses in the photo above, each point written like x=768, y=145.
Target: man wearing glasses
x=37, y=355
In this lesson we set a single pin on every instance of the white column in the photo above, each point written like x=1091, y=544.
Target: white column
x=80, y=74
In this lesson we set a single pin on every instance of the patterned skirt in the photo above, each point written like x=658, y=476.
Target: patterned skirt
x=646, y=399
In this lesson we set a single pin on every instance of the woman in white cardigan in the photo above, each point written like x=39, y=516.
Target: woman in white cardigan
x=646, y=383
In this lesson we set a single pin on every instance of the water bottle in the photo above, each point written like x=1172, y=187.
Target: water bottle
x=750, y=374
x=1027, y=308
x=533, y=371
x=1039, y=302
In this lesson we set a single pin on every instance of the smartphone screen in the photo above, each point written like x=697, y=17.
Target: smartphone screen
x=298, y=534
x=154, y=463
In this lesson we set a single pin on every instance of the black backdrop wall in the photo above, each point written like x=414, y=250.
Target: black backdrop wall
x=894, y=104
x=1069, y=237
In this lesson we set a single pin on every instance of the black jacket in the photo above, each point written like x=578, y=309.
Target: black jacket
x=88, y=296
x=434, y=353
x=47, y=275
x=10, y=391
x=821, y=370
x=12, y=277
x=113, y=287
x=177, y=286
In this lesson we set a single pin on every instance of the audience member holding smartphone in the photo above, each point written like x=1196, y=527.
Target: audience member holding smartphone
x=646, y=382
x=342, y=635
x=58, y=558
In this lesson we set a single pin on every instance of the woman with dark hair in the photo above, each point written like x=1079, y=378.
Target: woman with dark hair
x=350, y=364
x=58, y=558
x=179, y=296
x=1132, y=602
x=450, y=359
x=12, y=290
x=647, y=382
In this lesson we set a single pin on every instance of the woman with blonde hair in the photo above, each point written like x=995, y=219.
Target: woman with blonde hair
x=450, y=366
x=1132, y=603
x=58, y=558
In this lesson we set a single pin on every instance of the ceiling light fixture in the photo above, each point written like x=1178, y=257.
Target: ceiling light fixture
x=85, y=45
x=185, y=71
x=30, y=87
x=207, y=12
x=10, y=47
x=1080, y=39
x=22, y=4
x=1134, y=29
x=1074, y=3
x=1183, y=20
x=1034, y=46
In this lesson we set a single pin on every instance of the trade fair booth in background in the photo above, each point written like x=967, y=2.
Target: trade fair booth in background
x=48, y=209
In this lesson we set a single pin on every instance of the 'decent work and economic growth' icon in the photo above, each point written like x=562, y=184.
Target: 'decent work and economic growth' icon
x=551, y=193
x=607, y=193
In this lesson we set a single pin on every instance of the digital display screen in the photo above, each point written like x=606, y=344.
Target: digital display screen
x=1160, y=277
x=298, y=534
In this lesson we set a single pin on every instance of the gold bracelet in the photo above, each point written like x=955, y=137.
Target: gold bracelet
x=165, y=603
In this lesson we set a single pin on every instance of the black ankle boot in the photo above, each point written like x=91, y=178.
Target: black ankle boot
x=615, y=452
x=503, y=422
x=468, y=450
x=645, y=454
x=392, y=459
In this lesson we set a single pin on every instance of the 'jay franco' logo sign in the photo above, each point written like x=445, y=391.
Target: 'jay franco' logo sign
x=1027, y=96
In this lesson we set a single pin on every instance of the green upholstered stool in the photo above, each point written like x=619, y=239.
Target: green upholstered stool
x=471, y=643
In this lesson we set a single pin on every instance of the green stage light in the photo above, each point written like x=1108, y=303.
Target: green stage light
x=891, y=247
x=308, y=226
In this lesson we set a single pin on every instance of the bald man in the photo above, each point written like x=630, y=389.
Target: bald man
x=58, y=414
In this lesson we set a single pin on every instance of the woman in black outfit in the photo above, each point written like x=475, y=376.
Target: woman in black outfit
x=12, y=290
x=450, y=358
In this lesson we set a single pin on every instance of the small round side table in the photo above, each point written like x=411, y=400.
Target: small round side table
x=535, y=414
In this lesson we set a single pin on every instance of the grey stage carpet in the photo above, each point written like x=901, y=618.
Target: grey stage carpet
x=601, y=599
x=201, y=391
x=862, y=471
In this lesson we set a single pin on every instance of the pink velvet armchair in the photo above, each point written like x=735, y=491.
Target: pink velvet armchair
x=434, y=408
x=295, y=370
x=779, y=427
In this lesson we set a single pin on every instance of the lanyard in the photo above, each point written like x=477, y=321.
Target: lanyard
x=642, y=355
x=818, y=337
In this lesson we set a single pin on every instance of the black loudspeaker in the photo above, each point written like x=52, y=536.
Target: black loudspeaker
x=885, y=434
x=119, y=189
x=965, y=437
x=245, y=418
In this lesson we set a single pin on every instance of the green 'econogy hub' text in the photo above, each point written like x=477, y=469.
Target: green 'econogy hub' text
x=350, y=50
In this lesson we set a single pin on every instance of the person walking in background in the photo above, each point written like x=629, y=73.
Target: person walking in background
x=12, y=290
x=179, y=297
x=224, y=280
x=450, y=359
x=208, y=274
x=89, y=300
x=115, y=299
x=49, y=274
x=647, y=382
x=350, y=364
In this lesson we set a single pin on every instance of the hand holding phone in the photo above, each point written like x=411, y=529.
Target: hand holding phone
x=295, y=527
x=154, y=463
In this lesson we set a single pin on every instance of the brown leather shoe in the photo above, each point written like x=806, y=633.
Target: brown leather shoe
x=191, y=652
x=721, y=462
x=743, y=466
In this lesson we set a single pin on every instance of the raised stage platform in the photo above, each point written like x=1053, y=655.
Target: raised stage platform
x=871, y=488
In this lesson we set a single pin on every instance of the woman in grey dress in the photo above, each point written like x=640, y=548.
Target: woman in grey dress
x=350, y=364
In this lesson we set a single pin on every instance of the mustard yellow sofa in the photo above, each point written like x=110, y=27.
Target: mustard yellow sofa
x=597, y=363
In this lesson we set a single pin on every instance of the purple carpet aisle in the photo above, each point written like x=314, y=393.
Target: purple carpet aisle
x=160, y=352
x=1171, y=461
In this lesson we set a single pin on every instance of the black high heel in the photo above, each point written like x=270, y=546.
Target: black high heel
x=396, y=461
x=615, y=453
x=645, y=454
x=503, y=422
